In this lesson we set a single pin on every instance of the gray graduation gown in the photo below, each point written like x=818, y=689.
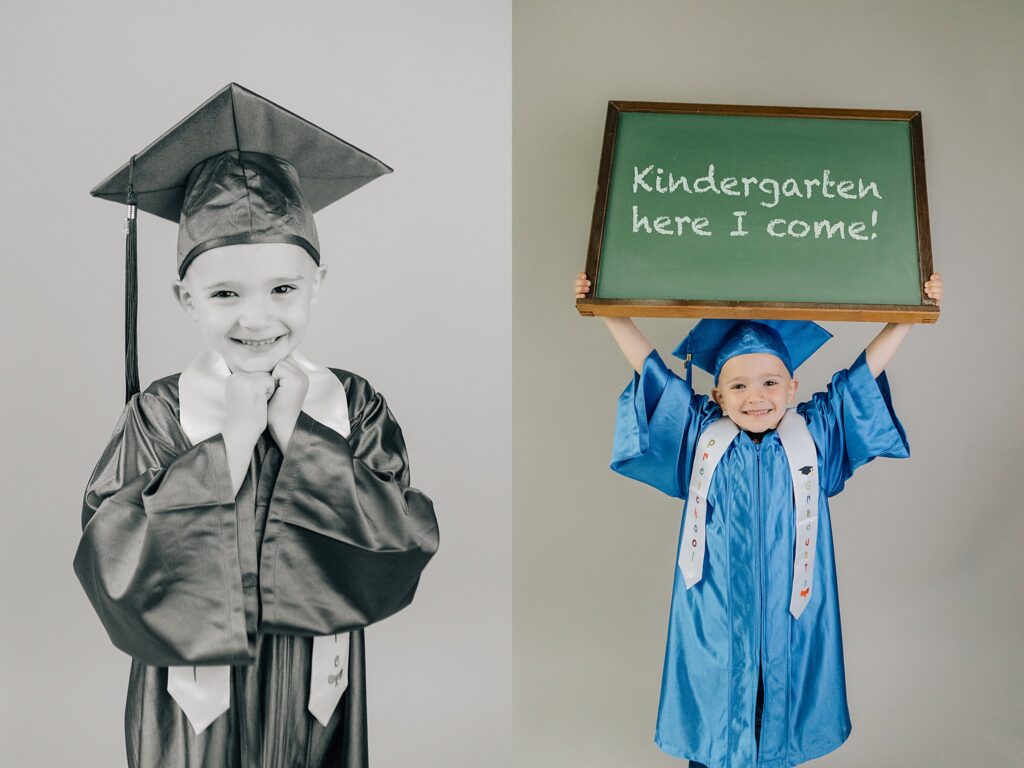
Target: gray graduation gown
x=329, y=538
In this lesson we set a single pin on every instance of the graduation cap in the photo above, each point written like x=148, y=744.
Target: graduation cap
x=239, y=169
x=712, y=342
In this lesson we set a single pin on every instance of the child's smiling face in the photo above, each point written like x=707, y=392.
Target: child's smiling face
x=251, y=301
x=754, y=390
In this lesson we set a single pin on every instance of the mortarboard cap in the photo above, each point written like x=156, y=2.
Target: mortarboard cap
x=712, y=342
x=239, y=169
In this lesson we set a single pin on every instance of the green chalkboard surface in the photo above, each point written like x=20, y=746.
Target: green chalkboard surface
x=730, y=211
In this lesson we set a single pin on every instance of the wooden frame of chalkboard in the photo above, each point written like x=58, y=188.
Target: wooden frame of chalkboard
x=923, y=312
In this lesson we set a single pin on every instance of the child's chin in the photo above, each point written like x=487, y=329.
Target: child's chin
x=253, y=365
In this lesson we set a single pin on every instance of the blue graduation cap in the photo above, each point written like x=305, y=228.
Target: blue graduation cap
x=712, y=342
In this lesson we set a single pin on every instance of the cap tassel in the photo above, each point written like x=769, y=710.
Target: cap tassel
x=131, y=293
x=689, y=369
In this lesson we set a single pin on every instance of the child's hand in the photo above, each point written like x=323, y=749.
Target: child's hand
x=582, y=286
x=247, y=395
x=283, y=411
x=933, y=288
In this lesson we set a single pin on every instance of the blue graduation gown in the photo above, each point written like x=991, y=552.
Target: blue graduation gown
x=736, y=619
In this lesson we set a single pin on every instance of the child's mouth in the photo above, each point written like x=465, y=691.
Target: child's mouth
x=258, y=344
x=762, y=412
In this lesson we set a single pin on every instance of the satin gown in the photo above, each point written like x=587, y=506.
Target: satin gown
x=736, y=619
x=329, y=538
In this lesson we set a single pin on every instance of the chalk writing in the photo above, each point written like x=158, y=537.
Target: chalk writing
x=650, y=180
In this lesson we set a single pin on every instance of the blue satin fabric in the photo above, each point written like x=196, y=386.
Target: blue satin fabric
x=738, y=614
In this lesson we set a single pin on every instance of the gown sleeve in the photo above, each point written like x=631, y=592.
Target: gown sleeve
x=657, y=426
x=853, y=422
x=158, y=557
x=347, y=536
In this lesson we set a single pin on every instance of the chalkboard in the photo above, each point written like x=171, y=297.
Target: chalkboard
x=775, y=212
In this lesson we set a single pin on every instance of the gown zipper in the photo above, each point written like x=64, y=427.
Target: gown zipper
x=760, y=587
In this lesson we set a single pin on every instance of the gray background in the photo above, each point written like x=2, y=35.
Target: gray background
x=933, y=649
x=425, y=87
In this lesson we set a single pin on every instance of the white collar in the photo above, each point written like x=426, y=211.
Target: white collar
x=201, y=396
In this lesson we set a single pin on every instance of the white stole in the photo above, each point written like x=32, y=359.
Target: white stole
x=802, y=458
x=803, y=467
x=203, y=693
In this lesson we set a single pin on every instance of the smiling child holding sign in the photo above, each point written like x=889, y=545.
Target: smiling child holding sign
x=753, y=671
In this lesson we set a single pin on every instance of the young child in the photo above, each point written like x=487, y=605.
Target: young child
x=753, y=670
x=250, y=515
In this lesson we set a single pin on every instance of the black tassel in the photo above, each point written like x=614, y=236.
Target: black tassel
x=131, y=293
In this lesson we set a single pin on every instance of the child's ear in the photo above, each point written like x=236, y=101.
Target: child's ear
x=793, y=384
x=318, y=278
x=181, y=293
x=717, y=397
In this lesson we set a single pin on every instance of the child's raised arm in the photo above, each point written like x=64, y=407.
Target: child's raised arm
x=634, y=345
x=882, y=348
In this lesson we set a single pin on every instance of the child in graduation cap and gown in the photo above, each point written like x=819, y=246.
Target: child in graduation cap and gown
x=753, y=672
x=250, y=515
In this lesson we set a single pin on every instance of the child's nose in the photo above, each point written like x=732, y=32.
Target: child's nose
x=255, y=314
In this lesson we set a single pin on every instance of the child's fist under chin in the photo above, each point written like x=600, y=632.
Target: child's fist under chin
x=247, y=395
x=292, y=385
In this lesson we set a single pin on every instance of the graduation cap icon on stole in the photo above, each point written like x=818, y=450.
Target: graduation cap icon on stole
x=238, y=169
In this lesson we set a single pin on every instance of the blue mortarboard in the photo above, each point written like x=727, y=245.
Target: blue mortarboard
x=712, y=342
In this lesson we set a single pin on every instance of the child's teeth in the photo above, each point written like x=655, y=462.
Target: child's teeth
x=266, y=343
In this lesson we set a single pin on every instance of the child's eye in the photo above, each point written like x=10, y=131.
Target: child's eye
x=737, y=386
x=770, y=383
x=223, y=295
x=281, y=289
